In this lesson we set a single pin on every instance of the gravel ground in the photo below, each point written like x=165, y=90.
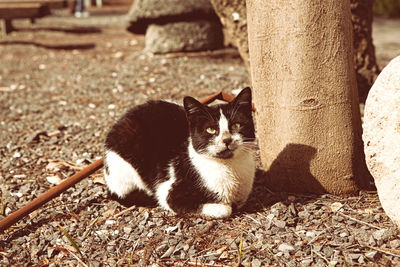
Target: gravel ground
x=63, y=83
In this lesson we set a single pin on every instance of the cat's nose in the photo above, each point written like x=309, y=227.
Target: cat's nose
x=227, y=141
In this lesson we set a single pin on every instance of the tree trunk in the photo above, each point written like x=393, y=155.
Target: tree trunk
x=232, y=14
x=308, y=118
x=233, y=17
x=364, y=57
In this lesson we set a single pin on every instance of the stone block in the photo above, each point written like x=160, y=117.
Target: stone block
x=184, y=36
x=146, y=12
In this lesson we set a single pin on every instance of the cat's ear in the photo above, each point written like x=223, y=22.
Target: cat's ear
x=243, y=99
x=192, y=106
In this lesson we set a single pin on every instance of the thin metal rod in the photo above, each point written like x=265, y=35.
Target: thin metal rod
x=77, y=177
x=220, y=96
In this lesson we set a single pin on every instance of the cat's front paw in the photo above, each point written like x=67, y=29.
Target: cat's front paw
x=216, y=210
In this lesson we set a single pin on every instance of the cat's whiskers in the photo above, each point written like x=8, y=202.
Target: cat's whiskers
x=249, y=139
x=234, y=111
x=249, y=142
x=252, y=143
x=249, y=147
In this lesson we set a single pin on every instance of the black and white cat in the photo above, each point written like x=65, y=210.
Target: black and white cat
x=194, y=158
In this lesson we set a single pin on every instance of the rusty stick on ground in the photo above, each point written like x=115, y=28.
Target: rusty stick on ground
x=50, y=194
x=77, y=177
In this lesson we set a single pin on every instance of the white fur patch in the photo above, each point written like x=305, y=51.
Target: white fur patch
x=223, y=124
x=231, y=179
x=216, y=210
x=218, y=143
x=163, y=188
x=122, y=178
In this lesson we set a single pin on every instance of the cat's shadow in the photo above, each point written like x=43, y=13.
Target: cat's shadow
x=289, y=172
x=135, y=198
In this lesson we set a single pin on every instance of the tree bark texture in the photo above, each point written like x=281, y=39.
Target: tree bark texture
x=233, y=17
x=365, y=63
x=232, y=14
x=305, y=93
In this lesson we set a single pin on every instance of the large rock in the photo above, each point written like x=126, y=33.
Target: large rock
x=146, y=12
x=184, y=36
x=382, y=137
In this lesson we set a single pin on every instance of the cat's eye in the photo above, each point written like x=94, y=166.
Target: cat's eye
x=211, y=130
x=236, y=126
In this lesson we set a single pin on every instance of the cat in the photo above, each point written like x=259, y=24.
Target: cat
x=188, y=159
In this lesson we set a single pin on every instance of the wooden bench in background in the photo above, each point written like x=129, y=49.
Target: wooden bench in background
x=18, y=9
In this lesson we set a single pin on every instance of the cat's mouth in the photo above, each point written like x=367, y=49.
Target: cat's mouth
x=225, y=154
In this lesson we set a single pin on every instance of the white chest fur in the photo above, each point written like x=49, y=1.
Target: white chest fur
x=232, y=179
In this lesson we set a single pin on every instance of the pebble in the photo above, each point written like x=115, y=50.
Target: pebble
x=171, y=229
x=306, y=262
x=333, y=263
x=53, y=179
x=18, y=194
x=303, y=214
x=256, y=263
x=280, y=224
x=168, y=253
x=285, y=247
x=19, y=176
x=354, y=256
x=317, y=248
x=127, y=230
x=394, y=244
x=382, y=235
x=328, y=251
x=310, y=235
x=371, y=254
x=344, y=234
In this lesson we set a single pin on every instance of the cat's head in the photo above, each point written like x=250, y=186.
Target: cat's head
x=221, y=131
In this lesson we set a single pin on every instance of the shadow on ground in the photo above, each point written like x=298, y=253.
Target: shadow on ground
x=47, y=46
x=289, y=172
x=74, y=30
